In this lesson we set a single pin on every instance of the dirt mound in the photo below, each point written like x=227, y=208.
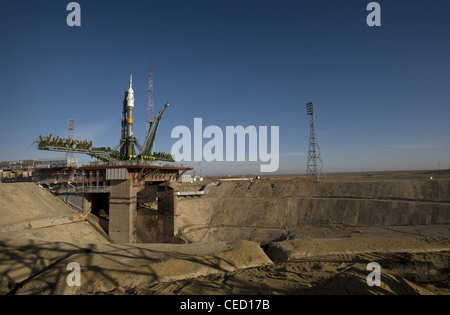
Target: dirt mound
x=20, y=202
x=30, y=212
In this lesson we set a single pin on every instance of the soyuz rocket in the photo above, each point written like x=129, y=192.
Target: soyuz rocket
x=127, y=141
x=130, y=109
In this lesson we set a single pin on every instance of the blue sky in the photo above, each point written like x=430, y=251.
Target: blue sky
x=382, y=93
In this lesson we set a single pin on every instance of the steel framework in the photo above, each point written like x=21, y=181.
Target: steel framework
x=71, y=126
x=315, y=165
x=150, y=102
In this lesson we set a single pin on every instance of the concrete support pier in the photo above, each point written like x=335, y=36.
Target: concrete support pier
x=123, y=212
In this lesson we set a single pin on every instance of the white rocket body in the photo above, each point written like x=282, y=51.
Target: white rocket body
x=130, y=109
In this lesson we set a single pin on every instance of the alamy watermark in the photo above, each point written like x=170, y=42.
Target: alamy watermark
x=74, y=17
x=213, y=150
x=374, y=17
x=74, y=277
x=374, y=278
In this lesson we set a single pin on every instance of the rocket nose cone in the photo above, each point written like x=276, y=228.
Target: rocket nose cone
x=131, y=84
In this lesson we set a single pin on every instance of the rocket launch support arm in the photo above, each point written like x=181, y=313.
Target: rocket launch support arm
x=150, y=139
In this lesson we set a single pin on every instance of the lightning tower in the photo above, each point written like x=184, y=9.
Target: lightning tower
x=315, y=164
x=150, y=102
x=71, y=125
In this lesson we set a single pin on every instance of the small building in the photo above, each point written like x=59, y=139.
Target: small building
x=186, y=179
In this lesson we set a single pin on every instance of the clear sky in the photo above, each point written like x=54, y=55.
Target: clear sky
x=382, y=94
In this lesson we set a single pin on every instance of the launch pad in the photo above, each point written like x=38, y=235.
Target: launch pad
x=124, y=185
x=96, y=178
x=126, y=176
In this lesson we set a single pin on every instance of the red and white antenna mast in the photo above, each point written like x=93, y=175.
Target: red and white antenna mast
x=150, y=102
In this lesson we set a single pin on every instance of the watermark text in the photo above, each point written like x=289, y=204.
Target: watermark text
x=236, y=144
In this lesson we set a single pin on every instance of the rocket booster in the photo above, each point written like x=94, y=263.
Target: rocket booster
x=127, y=142
x=130, y=109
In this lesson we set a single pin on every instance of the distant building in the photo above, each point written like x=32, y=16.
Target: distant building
x=4, y=165
x=15, y=165
x=189, y=178
x=28, y=164
x=186, y=178
x=56, y=163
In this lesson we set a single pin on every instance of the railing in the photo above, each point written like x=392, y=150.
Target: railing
x=129, y=163
x=84, y=189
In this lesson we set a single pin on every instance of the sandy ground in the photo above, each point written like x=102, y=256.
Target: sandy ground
x=413, y=260
x=30, y=212
x=330, y=259
x=22, y=202
x=401, y=274
x=410, y=263
x=39, y=267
